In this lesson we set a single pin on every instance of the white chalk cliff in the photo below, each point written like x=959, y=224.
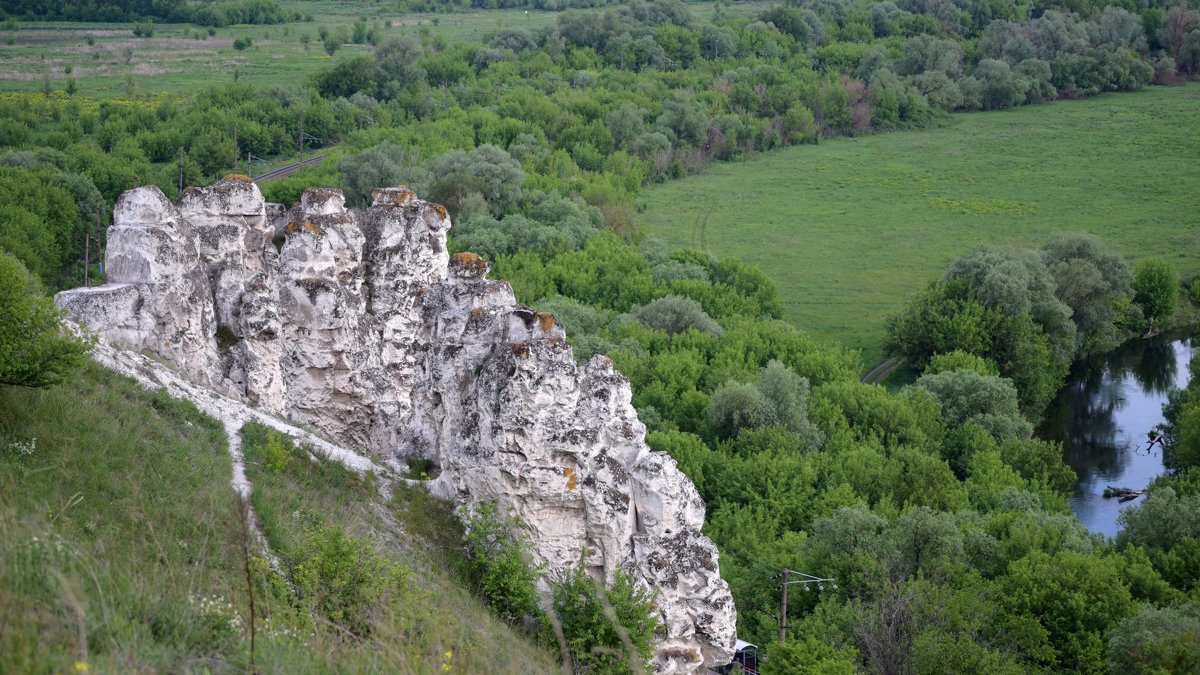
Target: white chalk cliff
x=360, y=324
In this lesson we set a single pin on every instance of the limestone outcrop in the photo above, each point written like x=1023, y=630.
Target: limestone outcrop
x=360, y=324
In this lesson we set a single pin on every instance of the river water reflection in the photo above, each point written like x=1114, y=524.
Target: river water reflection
x=1102, y=417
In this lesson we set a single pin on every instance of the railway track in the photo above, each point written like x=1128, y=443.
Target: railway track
x=284, y=171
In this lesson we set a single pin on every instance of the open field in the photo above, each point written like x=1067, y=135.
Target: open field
x=183, y=57
x=852, y=227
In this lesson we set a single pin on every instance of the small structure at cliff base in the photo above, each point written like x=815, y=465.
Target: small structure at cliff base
x=360, y=324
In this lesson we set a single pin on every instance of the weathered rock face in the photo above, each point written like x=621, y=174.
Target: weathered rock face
x=361, y=325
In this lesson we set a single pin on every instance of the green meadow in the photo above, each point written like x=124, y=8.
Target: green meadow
x=180, y=58
x=852, y=227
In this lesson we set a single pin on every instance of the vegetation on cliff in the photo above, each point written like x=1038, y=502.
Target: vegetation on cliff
x=942, y=520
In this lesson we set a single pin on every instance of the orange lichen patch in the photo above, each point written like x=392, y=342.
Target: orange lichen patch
x=520, y=349
x=439, y=210
x=294, y=227
x=320, y=193
x=239, y=177
x=572, y=479
x=545, y=321
x=398, y=196
x=470, y=262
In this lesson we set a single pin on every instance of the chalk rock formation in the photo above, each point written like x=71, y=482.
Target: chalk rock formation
x=360, y=324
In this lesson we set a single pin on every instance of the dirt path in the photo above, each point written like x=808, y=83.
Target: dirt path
x=233, y=414
x=880, y=372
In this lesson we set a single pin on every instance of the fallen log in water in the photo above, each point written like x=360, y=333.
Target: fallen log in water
x=1123, y=493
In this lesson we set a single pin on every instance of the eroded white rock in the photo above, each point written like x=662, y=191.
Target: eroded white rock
x=364, y=327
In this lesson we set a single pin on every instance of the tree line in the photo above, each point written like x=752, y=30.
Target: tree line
x=943, y=520
x=219, y=14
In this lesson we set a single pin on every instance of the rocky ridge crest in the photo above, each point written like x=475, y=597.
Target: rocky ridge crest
x=360, y=324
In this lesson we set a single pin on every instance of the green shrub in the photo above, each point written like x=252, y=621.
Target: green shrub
x=33, y=351
x=270, y=449
x=226, y=338
x=277, y=453
x=343, y=580
x=607, y=630
x=960, y=360
x=496, y=563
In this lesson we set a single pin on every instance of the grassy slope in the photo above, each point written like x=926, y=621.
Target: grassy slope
x=436, y=616
x=119, y=514
x=122, y=516
x=852, y=227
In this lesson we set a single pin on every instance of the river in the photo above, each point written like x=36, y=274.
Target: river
x=1103, y=414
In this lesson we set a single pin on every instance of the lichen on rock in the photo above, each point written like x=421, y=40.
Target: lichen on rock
x=362, y=325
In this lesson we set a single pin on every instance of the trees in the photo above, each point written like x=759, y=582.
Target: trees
x=1156, y=289
x=1063, y=605
x=1157, y=640
x=42, y=217
x=967, y=397
x=397, y=66
x=1091, y=280
x=1162, y=520
x=384, y=165
x=489, y=169
x=1028, y=314
x=942, y=318
x=778, y=397
x=960, y=360
x=675, y=314
x=34, y=352
x=213, y=151
x=348, y=78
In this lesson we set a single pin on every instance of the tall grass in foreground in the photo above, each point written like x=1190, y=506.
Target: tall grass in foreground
x=327, y=526
x=121, y=551
x=115, y=514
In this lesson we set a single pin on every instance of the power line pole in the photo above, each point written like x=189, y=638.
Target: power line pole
x=783, y=607
x=300, y=138
x=181, y=168
x=804, y=580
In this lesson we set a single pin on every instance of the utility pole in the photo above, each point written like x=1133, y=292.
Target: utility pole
x=300, y=138
x=87, y=248
x=804, y=580
x=783, y=608
x=181, y=169
x=249, y=165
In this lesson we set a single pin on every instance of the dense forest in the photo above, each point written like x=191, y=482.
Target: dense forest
x=941, y=517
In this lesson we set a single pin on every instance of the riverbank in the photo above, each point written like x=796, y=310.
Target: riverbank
x=1104, y=413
